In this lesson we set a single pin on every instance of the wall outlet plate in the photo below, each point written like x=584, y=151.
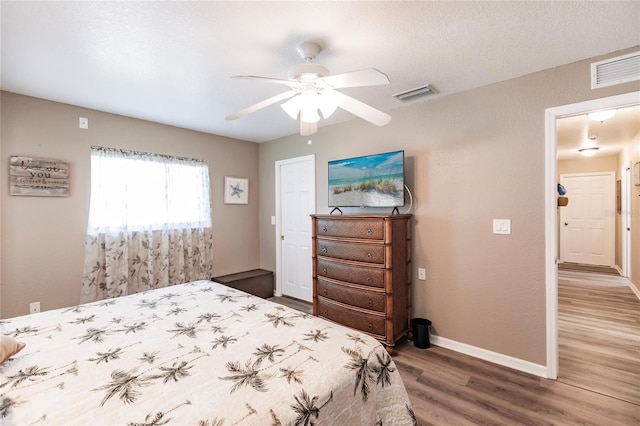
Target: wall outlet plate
x=34, y=307
x=422, y=274
x=502, y=226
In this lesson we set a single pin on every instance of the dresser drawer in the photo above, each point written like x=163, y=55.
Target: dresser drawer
x=359, y=320
x=351, y=296
x=371, y=229
x=372, y=253
x=372, y=277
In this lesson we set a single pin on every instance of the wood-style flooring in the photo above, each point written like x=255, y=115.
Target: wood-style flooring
x=579, y=267
x=598, y=383
x=599, y=335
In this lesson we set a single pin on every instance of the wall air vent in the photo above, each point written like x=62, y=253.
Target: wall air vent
x=416, y=93
x=615, y=70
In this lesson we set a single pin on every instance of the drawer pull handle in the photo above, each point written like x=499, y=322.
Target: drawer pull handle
x=370, y=326
x=370, y=303
x=369, y=280
x=325, y=313
x=369, y=232
x=324, y=229
x=324, y=271
x=368, y=255
x=324, y=249
x=326, y=292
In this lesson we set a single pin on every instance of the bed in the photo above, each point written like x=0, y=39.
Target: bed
x=195, y=354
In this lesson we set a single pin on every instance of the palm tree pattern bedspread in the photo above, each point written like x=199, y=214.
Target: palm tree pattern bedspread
x=195, y=354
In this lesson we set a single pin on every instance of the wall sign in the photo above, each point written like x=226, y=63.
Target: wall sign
x=38, y=177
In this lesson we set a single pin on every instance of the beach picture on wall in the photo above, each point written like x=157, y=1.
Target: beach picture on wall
x=368, y=181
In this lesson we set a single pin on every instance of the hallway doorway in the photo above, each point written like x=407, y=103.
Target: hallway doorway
x=551, y=205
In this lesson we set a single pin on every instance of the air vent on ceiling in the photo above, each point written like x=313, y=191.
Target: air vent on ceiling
x=412, y=94
x=615, y=70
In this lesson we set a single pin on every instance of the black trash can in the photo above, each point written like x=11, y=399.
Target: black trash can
x=420, y=327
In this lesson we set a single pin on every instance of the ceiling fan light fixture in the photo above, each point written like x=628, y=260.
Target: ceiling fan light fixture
x=602, y=115
x=307, y=72
x=327, y=109
x=292, y=107
x=327, y=103
x=309, y=103
x=309, y=114
x=312, y=95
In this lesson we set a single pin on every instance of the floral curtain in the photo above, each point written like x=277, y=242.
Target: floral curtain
x=149, y=223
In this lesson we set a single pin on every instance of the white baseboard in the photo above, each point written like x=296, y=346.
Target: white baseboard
x=496, y=358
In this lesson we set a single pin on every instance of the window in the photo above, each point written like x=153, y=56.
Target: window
x=133, y=191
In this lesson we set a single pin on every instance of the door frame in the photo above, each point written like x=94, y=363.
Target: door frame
x=551, y=203
x=625, y=177
x=311, y=159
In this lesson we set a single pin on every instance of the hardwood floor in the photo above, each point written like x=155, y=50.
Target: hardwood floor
x=449, y=388
x=599, y=335
x=300, y=305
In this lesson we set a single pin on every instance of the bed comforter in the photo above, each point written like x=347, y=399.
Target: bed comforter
x=195, y=354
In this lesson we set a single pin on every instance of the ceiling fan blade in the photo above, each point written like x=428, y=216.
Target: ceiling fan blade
x=308, y=129
x=260, y=105
x=361, y=109
x=368, y=77
x=292, y=84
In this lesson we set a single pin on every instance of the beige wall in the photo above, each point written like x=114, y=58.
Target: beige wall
x=588, y=165
x=472, y=157
x=43, y=237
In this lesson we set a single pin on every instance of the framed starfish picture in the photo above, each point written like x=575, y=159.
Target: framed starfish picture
x=236, y=190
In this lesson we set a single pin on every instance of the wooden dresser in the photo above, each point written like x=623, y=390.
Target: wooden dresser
x=362, y=272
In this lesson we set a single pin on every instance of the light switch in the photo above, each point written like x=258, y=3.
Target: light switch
x=502, y=226
x=273, y=220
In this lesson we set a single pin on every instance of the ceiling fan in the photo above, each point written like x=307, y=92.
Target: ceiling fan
x=312, y=92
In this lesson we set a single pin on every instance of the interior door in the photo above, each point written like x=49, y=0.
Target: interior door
x=587, y=222
x=297, y=202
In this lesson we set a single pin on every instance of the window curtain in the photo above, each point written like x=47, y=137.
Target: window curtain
x=149, y=223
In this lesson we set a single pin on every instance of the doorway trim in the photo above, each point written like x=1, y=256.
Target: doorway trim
x=278, y=218
x=625, y=174
x=551, y=223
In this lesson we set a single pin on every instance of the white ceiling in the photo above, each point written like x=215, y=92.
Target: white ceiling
x=170, y=62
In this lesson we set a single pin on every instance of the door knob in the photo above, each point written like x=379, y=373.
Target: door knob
x=566, y=223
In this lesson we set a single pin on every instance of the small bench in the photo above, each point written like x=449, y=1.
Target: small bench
x=258, y=282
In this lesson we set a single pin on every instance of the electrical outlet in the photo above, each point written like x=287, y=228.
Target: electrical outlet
x=83, y=122
x=422, y=274
x=34, y=307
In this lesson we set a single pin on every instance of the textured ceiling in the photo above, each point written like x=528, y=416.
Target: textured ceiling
x=170, y=62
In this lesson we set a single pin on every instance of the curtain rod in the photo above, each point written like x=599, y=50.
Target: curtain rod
x=130, y=151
